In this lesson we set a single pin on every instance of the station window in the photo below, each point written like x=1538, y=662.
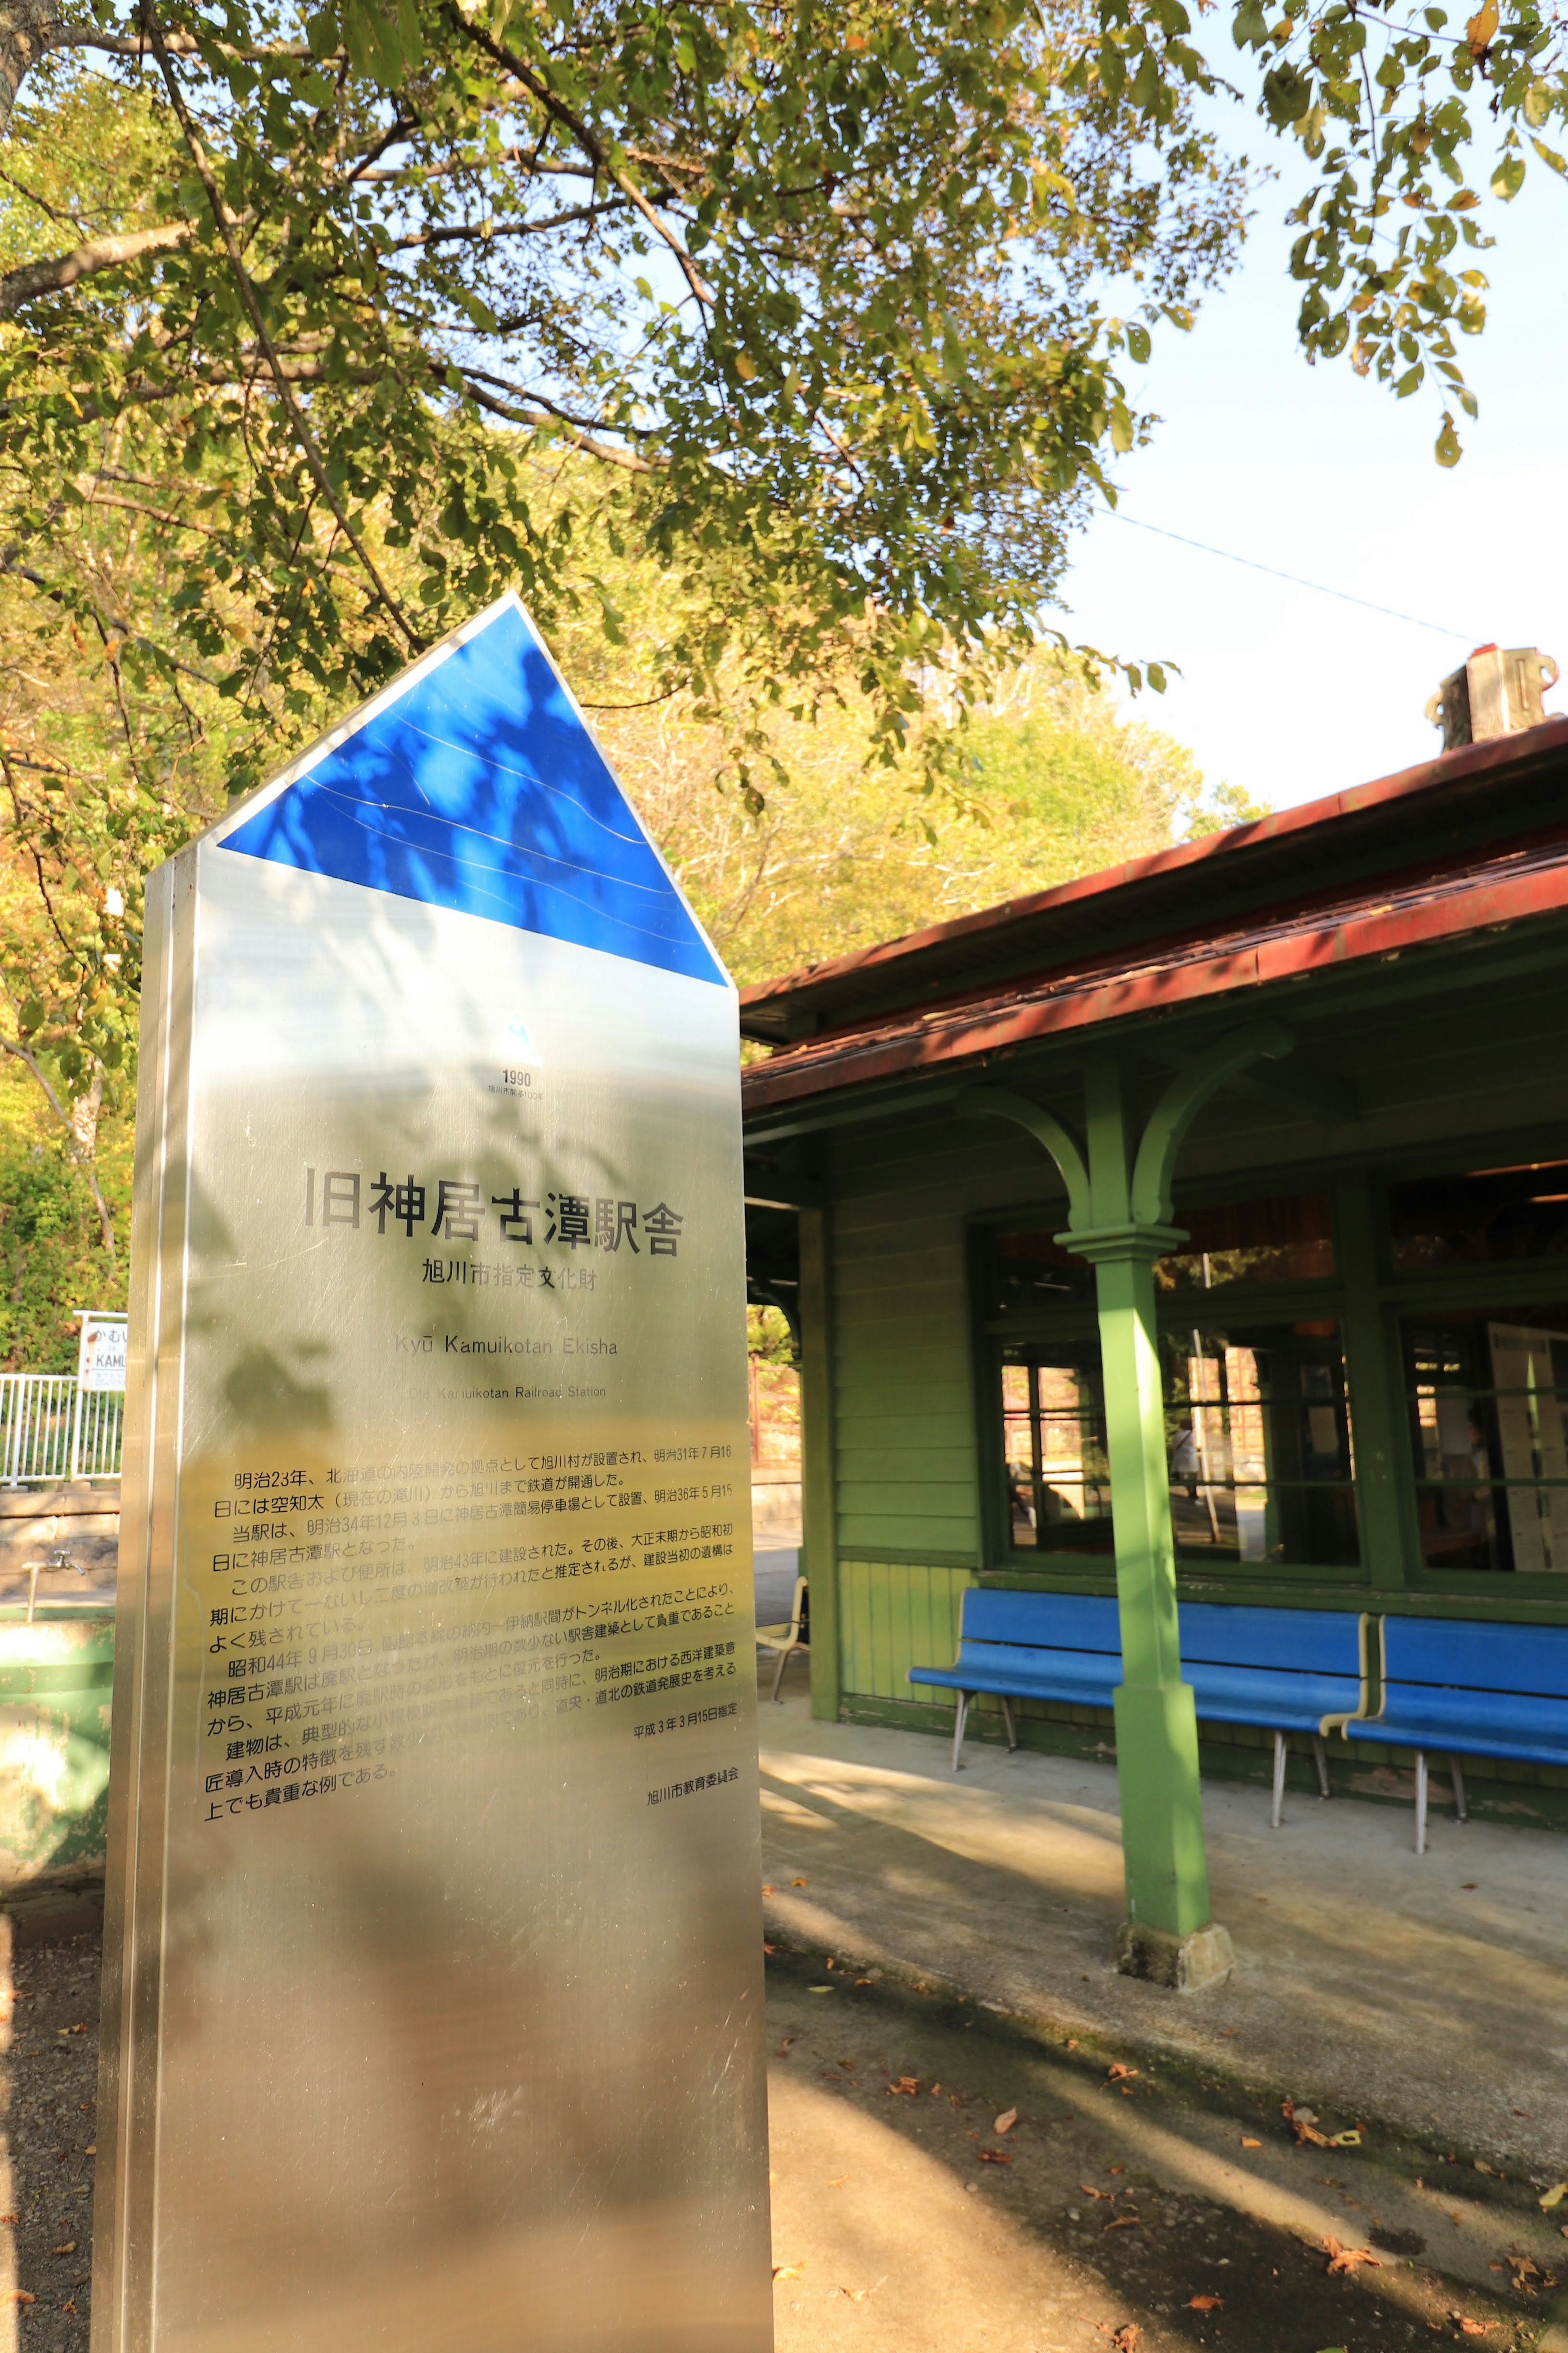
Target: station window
x=1259, y=1442
x=1484, y=1216
x=1053, y=1418
x=1285, y=1240
x=1488, y=1396
x=1257, y=1445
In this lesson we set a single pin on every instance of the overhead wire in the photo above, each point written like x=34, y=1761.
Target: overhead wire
x=1317, y=588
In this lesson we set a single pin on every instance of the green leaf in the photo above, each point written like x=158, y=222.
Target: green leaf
x=1509, y=178
x=1121, y=428
x=1137, y=341
x=1447, y=450
x=1550, y=156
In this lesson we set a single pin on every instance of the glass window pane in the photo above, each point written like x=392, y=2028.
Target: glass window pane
x=1057, y=1486
x=1259, y=1442
x=1257, y=1438
x=1488, y=1396
x=1285, y=1239
x=1484, y=1216
x=1033, y=1272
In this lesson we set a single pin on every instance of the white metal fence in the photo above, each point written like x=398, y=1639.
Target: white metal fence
x=53, y=1430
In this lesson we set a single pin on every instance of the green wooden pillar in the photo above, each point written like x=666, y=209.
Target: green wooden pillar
x=1119, y=1207
x=1164, y=1861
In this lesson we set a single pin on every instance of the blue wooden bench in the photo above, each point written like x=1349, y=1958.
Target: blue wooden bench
x=1283, y=1669
x=1060, y=1646
x=1469, y=1690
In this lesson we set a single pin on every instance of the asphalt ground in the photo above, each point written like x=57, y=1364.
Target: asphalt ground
x=1128, y=2203
x=50, y=2105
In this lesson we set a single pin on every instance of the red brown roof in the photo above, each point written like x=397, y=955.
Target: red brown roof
x=1475, y=838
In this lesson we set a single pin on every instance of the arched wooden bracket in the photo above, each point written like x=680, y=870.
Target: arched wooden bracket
x=1001, y=1103
x=1155, y=1168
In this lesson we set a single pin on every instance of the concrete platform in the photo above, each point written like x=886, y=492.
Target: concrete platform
x=1427, y=1994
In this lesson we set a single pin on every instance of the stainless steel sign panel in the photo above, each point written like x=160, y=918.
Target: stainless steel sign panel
x=434, y=1952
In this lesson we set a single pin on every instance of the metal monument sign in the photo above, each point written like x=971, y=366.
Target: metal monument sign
x=433, y=1981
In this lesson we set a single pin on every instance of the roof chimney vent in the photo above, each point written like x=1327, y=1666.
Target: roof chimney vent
x=1496, y=691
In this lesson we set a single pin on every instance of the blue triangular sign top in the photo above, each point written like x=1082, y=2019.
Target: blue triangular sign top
x=480, y=788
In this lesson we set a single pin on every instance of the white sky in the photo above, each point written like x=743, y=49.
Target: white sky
x=1285, y=692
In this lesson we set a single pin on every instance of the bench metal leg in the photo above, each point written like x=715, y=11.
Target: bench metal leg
x=958, y=1724
x=1459, y=1779
x=1420, y=1801
x=1325, y=1786
x=1012, y=1729
x=1278, y=1814
x=785, y=1658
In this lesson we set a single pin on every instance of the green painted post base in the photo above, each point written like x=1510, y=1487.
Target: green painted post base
x=1162, y=1807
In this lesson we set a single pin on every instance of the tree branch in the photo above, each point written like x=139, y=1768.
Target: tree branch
x=538, y=418
x=248, y=294
x=83, y=1159
x=63, y=269
x=489, y=230
x=590, y=143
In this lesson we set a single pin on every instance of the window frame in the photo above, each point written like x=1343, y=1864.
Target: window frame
x=1311, y=1299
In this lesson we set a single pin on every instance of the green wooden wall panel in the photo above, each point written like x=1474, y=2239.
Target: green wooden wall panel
x=896, y=1617
x=910, y=1531
x=944, y=1499
x=903, y=1398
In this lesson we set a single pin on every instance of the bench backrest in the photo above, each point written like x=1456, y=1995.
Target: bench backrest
x=1055, y=1621
x=1456, y=1652
x=1292, y=1642
x=1214, y=1633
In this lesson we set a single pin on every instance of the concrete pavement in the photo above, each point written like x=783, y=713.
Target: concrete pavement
x=1429, y=1995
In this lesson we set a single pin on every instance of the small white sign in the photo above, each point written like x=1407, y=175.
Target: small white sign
x=101, y=1363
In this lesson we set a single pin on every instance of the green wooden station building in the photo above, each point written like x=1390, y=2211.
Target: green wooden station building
x=1194, y=1230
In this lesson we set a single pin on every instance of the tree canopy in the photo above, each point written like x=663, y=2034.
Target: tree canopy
x=773, y=352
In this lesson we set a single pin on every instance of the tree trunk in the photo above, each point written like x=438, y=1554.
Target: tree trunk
x=26, y=27
x=84, y=1118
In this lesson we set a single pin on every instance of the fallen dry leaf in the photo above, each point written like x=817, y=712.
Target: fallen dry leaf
x=92, y=2149
x=20, y=2295
x=769, y=1948
x=797, y=1882
x=1123, y=2222
x=1554, y=2197
x=789, y=2271
x=1126, y=2340
x=1250, y=2144
x=1480, y=2167
x=1121, y=2072
x=906, y=2084
x=767, y=1890
x=68, y=2249
x=1471, y=2328
x=1205, y=2304
x=1345, y=2259
x=1005, y=2120
x=995, y=2157
x=1089, y=2191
